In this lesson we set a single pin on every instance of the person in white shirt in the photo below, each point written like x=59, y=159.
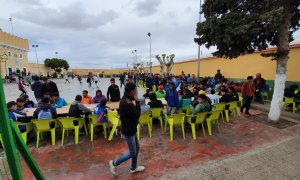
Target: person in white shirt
x=96, y=80
x=67, y=79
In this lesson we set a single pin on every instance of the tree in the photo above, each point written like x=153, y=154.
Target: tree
x=161, y=64
x=238, y=27
x=167, y=61
x=170, y=63
x=57, y=64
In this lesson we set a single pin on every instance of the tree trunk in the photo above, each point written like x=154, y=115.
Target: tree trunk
x=280, y=78
x=161, y=69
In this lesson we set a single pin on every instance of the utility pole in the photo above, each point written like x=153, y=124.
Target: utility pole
x=199, y=48
x=149, y=34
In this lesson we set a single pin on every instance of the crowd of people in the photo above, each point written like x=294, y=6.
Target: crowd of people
x=179, y=91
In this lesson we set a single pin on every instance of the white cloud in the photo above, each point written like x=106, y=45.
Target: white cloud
x=102, y=34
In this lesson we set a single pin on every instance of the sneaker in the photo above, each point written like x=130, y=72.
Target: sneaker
x=112, y=168
x=138, y=169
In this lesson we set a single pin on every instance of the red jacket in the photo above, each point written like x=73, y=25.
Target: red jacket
x=248, y=89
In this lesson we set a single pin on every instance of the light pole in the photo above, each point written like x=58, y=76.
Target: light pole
x=199, y=48
x=35, y=46
x=56, y=54
x=149, y=34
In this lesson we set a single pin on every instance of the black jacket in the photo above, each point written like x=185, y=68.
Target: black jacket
x=156, y=104
x=226, y=98
x=129, y=115
x=37, y=88
x=113, y=93
x=50, y=87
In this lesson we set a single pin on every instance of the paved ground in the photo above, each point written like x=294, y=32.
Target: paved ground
x=244, y=149
x=67, y=91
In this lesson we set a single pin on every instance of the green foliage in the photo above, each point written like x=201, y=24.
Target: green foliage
x=238, y=27
x=57, y=64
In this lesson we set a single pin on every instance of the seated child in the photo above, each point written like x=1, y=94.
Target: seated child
x=100, y=111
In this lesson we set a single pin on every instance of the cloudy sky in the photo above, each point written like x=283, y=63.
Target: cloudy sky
x=103, y=34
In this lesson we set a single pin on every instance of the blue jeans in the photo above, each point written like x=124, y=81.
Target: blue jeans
x=133, y=146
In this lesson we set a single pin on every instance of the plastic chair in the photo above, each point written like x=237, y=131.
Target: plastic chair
x=29, y=127
x=213, y=118
x=145, y=119
x=114, y=119
x=43, y=125
x=233, y=108
x=67, y=123
x=157, y=114
x=175, y=120
x=93, y=118
x=219, y=107
x=199, y=119
x=288, y=101
x=69, y=102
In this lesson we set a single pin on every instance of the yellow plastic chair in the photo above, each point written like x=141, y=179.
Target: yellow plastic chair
x=199, y=119
x=213, y=119
x=94, y=123
x=69, y=102
x=29, y=127
x=288, y=101
x=157, y=114
x=43, y=125
x=154, y=88
x=67, y=123
x=233, y=108
x=219, y=107
x=145, y=119
x=241, y=99
x=176, y=120
x=114, y=119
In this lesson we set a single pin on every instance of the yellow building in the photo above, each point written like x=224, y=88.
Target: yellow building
x=243, y=66
x=13, y=56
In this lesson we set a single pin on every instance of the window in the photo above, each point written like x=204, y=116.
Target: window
x=9, y=54
x=21, y=56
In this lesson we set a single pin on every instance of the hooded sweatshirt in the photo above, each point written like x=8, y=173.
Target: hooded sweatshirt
x=45, y=107
x=172, y=97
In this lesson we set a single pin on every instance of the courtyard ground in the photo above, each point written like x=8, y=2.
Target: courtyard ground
x=245, y=148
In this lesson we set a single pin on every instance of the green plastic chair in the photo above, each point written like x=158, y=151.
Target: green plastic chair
x=200, y=117
x=288, y=101
x=29, y=127
x=43, y=125
x=113, y=118
x=157, y=114
x=67, y=123
x=175, y=120
x=145, y=119
x=94, y=123
x=219, y=107
x=233, y=107
x=213, y=119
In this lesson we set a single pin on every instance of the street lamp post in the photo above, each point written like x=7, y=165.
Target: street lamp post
x=199, y=48
x=56, y=54
x=35, y=46
x=149, y=34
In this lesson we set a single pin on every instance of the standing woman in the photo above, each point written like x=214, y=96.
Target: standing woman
x=129, y=115
x=21, y=87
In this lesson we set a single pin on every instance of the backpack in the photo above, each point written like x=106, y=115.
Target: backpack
x=45, y=114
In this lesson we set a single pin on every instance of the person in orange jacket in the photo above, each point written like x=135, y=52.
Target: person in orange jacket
x=86, y=98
